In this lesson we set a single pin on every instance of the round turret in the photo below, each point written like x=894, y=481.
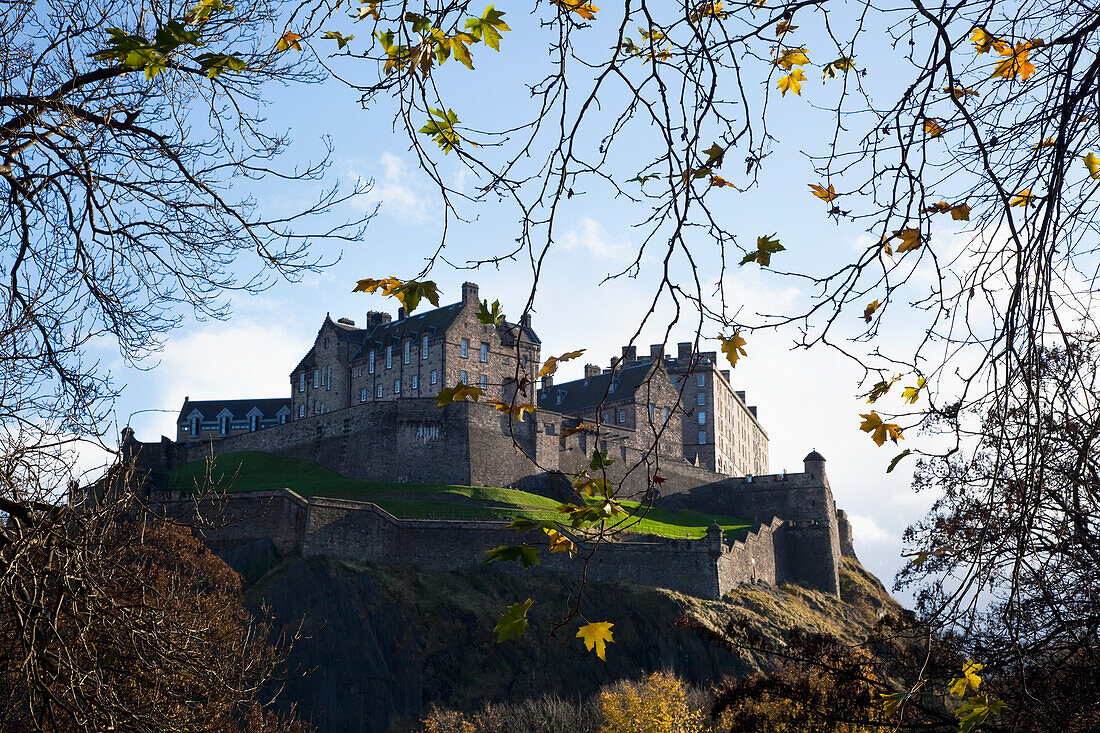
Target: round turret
x=814, y=456
x=814, y=464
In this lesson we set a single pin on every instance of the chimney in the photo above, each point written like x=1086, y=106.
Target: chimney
x=547, y=382
x=590, y=370
x=377, y=318
x=525, y=320
x=187, y=399
x=630, y=353
x=683, y=350
x=401, y=313
x=346, y=322
x=656, y=352
x=726, y=374
x=469, y=294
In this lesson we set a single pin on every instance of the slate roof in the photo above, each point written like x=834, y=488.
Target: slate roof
x=577, y=395
x=240, y=408
x=429, y=322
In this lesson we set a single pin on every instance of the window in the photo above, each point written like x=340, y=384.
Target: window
x=614, y=384
x=363, y=395
x=302, y=382
x=282, y=418
x=223, y=424
x=651, y=412
x=484, y=382
x=435, y=377
x=622, y=416
x=378, y=391
x=606, y=416
x=194, y=426
x=464, y=378
x=389, y=357
x=370, y=362
x=397, y=386
x=701, y=398
x=326, y=343
x=328, y=377
x=408, y=350
x=302, y=410
x=316, y=378
x=360, y=373
x=702, y=418
x=485, y=352
x=464, y=348
x=416, y=382
x=702, y=437
x=424, y=348
x=664, y=410
x=253, y=423
x=700, y=380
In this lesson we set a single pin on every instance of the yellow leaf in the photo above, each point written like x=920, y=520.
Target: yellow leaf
x=515, y=412
x=825, y=194
x=584, y=9
x=879, y=430
x=551, y=365
x=1092, y=162
x=792, y=57
x=960, y=212
x=733, y=347
x=784, y=26
x=1023, y=198
x=459, y=393
x=960, y=92
x=910, y=239
x=969, y=680
x=719, y=181
x=792, y=81
x=289, y=40
x=1049, y=142
x=881, y=388
x=983, y=41
x=388, y=285
x=912, y=394
x=1015, y=61
x=870, y=310
x=559, y=542
x=596, y=635
x=933, y=128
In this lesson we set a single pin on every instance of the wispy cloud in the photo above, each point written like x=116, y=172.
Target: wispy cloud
x=593, y=237
x=394, y=188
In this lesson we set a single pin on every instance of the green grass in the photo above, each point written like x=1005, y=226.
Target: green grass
x=253, y=471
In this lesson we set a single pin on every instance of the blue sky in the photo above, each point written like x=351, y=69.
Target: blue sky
x=806, y=400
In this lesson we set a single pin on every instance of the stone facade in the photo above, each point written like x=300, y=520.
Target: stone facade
x=206, y=419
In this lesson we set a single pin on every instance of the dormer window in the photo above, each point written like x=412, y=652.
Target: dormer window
x=560, y=396
x=614, y=384
x=223, y=425
x=424, y=348
x=195, y=423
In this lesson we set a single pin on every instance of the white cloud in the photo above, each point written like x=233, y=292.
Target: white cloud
x=395, y=189
x=866, y=531
x=592, y=236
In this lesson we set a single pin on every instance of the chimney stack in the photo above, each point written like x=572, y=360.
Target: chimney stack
x=525, y=320
x=469, y=294
x=683, y=350
x=630, y=353
x=377, y=318
x=401, y=313
x=547, y=382
x=590, y=370
x=656, y=352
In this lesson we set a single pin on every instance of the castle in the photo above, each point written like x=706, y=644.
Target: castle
x=363, y=404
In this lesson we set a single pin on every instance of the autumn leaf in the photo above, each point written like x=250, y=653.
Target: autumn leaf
x=975, y=710
x=490, y=316
x=792, y=57
x=584, y=9
x=441, y=127
x=487, y=28
x=825, y=194
x=596, y=636
x=960, y=212
x=784, y=26
x=290, y=39
x=792, y=82
x=765, y=248
x=1023, y=198
x=1048, y=143
x=1015, y=62
x=910, y=239
x=970, y=679
x=933, y=128
x=341, y=39
x=879, y=430
x=870, y=310
x=578, y=428
x=715, y=154
x=1092, y=162
x=961, y=92
x=835, y=67
x=515, y=412
x=513, y=624
x=983, y=41
x=459, y=393
x=733, y=347
x=912, y=394
x=897, y=459
x=388, y=285
x=559, y=542
x=719, y=181
x=892, y=703
x=551, y=364
x=881, y=388
x=526, y=555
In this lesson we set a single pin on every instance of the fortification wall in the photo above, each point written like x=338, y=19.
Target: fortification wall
x=752, y=560
x=225, y=521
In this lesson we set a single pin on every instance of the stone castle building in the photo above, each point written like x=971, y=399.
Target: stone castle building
x=685, y=402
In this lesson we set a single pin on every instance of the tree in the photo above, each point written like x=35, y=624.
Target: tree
x=131, y=134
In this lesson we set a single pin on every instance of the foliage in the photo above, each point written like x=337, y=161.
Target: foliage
x=656, y=704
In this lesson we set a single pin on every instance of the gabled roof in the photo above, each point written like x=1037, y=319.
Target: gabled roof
x=347, y=333
x=270, y=407
x=429, y=322
x=577, y=395
x=306, y=362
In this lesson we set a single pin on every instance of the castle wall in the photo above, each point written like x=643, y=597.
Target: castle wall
x=753, y=559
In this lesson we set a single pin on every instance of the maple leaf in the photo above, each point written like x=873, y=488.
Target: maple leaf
x=290, y=39
x=515, y=412
x=1092, y=162
x=719, y=181
x=825, y=194
x=868, y=312
x=784, y=26
x=792, y=57
x=514, y=621
x=910, y=239
x=596, y=636
x=975, y=710
x=765, y=248
x=387, y=285
x=559, y=542
x=584, y=9
x=1015, y=62
x=715, y=154
x=526, y=555
x=490, y=316
x=881, y=388
x=551, y=365
x=983, y=41
x=487, y=28
x=578, y=428
x=969, y=680
x=658, y=479
x=792, y=81
x=1023, y=198
x=341, y=39
x=441, y=126
x=912, y=394
x=891, y=703
x=879, y=430
x=960, y=212
x=733, y=347
x=834, y=67
x=961, y=92
x=458, y=393
x=933, y=128
x=1049, y=142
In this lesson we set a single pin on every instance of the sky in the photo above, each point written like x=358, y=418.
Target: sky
x=807, y=400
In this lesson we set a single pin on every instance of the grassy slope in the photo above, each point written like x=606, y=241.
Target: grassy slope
x=251, y=471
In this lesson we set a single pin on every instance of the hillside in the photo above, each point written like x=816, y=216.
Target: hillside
x=384, y=642
x=249, y=471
